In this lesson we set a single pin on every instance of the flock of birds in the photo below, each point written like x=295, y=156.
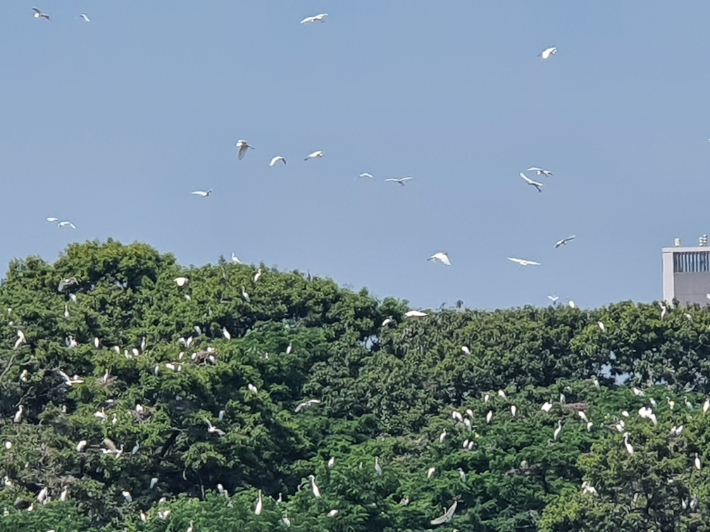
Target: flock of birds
x=243, y=147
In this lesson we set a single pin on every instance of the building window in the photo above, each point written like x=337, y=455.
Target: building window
x=691, y=262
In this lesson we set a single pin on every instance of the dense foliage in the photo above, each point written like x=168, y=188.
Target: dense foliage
x=115, y=362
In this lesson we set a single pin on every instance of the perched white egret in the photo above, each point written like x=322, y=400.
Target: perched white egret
x=243, y=146
x=257, y=275
x=245, y=295
x=539, y=171
x=39, y=14
x=448, y=514
x=629, y=447
x=583, y=416
x=202, y=193
x=307, y=404
x=235, y=259
x=18, y=414
x=85, y=17
x=564, y=241
x=465, y=349
x=252, y=388
x=181, y=281
x=259, y=505
x=286, y=520
x=456, y=416
x=441, y=257
x=532, y=183
x=227, y=335
x=489, y=416
x=546, y=406
x=414, y=314
x=153, y=482
x=589, y=426
x=127, y=496
x=331, y=462
x=588, y=488
x=334, y=512
x=572, y=304
x=513, y=410
x=524, y=262
x=8, y=445
x=430, y=472
x=548, y=52
x=697, y=463
x=402, y=180
x=276, y=160
x=706, y=405
x=486, y=398
x=81, y=446
x=378, y=467
x=442, y=436
x=556, y=434
x=501, y=394
x=316, y=18
x=21, y=340
x=314, y=487
x=289, y=349
x=315, y=155
x=43, y=494
x=671, y=403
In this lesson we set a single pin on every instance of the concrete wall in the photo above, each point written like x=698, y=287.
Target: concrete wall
x=690, y=288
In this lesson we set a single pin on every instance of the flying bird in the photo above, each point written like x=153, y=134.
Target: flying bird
x=315, y=155
x=365, y=174
x=316, y=18
x=211, y=428
x=85, y=18
x=402, y=181
x=540, y=171
x=553, y=299
x=523, y=262
x=532, y=183
x=307, y=404
x=441, y=257
x=202, y=193
x=243, y=146
x=414, y=314
x=66, y=224
x=277, y=159
x=564, y=241
x=39, y=14
x=548, y=52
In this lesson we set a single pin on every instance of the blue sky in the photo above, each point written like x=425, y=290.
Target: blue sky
x=113, y=123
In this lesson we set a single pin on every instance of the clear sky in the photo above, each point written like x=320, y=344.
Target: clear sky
x=111, y=124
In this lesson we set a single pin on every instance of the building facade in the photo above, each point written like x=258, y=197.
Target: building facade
x=686, y=273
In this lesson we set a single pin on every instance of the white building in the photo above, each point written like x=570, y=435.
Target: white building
x=686, y=273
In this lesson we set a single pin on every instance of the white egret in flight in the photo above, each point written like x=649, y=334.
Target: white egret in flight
x=315, y=155
x=548, y=52
x=85, y=17
x=39, y=14
x=523, y=262
x=414, y=314
x=564, y=241
x=441, y=257
x=211, y=428
x=66, y=224
x=317, y=18
x=530, y=182
x=243, y=146
x=402, y=180
x=366, y=174
x=277, y=159
x=307, y=404
x=202, y=193
x=539, y=171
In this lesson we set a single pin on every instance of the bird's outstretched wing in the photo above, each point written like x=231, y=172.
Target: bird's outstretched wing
x=448, y=514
